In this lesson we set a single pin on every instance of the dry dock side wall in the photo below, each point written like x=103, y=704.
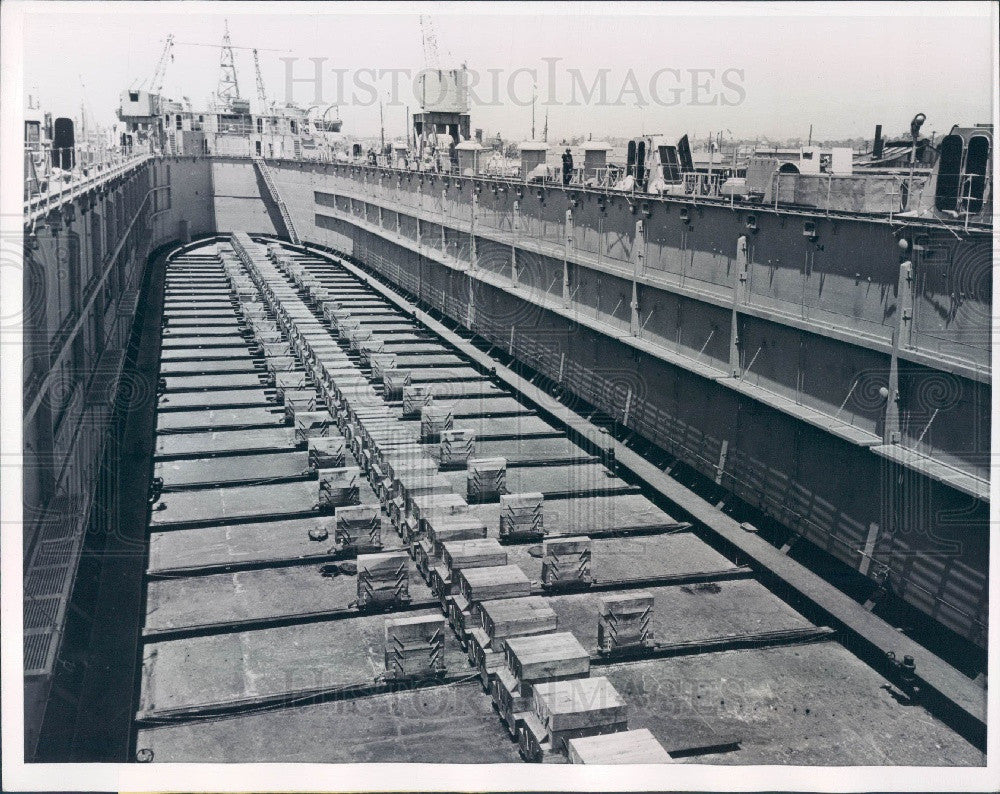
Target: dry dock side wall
x=757, y=346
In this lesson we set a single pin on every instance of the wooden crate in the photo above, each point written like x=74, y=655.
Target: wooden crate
x=637, y=746
x=515, y=617
x=426, y=508
x=502, y=581
x=566, y=562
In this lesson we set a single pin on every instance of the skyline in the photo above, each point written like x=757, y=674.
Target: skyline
x=775, y=104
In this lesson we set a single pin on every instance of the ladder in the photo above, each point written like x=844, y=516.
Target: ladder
x=286, y=218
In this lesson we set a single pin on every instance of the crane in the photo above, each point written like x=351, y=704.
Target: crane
x=261, y=92
x=428, y=35
x=429, y=38
x=156, y=80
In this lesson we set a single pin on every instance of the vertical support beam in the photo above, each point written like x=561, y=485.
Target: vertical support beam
x=567, y=246
x=444, y=237
x=739, y=298
x=901, y=335
x=638, y=262
x=472, y=230
x=471, y=313
x=516, y=226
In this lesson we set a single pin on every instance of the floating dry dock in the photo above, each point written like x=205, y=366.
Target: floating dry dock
x=365, y=545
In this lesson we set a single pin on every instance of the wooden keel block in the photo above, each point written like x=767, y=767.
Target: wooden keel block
x=415, y=397
x=414, y=646
x=486, y=479
x=327, y=452
x=296, y=401
x=434, y=419
x=380, y=362
x=484, y=584
x=442, y=529
x=383, y=580
x=371, y=347
x=339, y=487
x=566, y=562
x=456, y=446
x=624, y=621
x=545, y=657
x=515, y=617
x=426, y=508
x=395, y=380
x=358, y=527
x=637, y=746
x=578, y=707
x=521, y=516
x=479, y=553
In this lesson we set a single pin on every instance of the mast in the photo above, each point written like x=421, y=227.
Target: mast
x=229, y=88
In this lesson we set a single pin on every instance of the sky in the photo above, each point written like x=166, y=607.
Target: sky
x=772, y=70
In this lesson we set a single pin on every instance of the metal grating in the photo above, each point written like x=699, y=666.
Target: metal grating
x=37, y=649
x=47, y=581
x=41, y=613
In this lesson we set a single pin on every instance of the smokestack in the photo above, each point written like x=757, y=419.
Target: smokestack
x=879, y=146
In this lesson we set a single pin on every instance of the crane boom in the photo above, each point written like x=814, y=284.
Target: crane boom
x=156, y=79
x=429, y=38
x=261, y=93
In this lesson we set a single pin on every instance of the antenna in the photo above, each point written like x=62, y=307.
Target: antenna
x=229, y=88
x=534, y=96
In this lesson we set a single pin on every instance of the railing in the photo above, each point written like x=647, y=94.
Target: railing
x=48, y=184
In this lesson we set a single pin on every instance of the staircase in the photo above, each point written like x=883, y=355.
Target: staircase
x=286, y=218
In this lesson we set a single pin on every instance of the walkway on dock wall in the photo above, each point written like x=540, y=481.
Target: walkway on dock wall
x=773, y=433
x=261, y=639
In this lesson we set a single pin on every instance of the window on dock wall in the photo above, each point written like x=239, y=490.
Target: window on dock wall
x=260, y=127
